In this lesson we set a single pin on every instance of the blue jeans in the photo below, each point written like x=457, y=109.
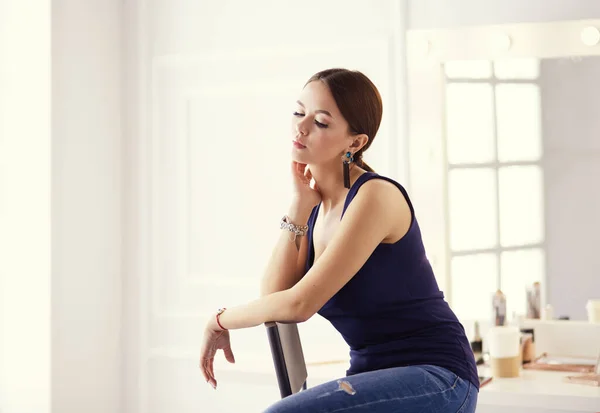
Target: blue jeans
x=410, y=389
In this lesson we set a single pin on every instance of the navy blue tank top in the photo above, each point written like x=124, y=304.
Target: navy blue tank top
x=392, y=312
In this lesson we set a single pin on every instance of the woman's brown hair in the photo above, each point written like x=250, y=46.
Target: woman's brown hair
x=359, y=102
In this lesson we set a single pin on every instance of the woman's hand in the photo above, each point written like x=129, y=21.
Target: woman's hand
x=304, y=194
x=214, y=339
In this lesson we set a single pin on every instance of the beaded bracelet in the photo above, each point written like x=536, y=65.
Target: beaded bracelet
x=297, y=230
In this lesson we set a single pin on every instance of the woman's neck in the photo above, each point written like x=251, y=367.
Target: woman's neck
x=330, y=183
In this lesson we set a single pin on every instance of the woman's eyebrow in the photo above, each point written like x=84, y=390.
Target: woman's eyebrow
x=316, y=111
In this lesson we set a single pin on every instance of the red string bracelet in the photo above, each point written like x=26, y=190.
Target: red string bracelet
x=221, y=310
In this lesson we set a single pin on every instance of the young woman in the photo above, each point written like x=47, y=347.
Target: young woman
x=351, y=250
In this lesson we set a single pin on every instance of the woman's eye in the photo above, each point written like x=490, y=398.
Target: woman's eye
x=319, y=124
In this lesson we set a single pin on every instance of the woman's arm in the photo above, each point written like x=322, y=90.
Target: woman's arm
x=378, y=210
x=285, y=267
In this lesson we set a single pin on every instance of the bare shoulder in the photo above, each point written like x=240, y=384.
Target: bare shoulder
x=385, y=200
x=383, y=192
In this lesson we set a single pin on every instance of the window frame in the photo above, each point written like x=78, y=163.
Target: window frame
x=495, y=165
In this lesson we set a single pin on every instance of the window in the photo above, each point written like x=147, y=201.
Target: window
x=494, y=183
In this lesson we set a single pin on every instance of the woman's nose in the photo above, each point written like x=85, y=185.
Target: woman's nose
x=300, y=127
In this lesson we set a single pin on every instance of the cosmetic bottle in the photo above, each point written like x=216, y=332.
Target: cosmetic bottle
x=477, y=344
x=499, y=308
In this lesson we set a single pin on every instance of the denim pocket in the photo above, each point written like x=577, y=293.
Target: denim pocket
x=440, y=377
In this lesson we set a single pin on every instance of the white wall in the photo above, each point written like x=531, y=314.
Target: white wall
x=210, y=89
x=571, y=128
x=437, y=14
x=25, y=223
x=86, y=206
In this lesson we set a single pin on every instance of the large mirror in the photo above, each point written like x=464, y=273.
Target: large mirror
x=523, y=159
x=513, y=128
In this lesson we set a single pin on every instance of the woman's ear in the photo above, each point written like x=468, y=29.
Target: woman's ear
x=359, y=141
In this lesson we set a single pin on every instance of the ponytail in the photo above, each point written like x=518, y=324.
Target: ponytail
x=364, y=165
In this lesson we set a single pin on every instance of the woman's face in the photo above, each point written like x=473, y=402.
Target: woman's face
x=320, y=134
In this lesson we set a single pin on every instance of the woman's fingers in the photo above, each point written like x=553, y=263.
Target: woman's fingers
x=304, y=174
x=207, y=372
x=308, y=174
x=211, y=370
x=229, y=354
x=204, y=371
x=300, y=170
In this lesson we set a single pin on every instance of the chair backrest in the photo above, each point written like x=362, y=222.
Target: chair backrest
x=288, y=357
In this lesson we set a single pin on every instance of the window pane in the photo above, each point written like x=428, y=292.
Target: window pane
x=473, y=208
x=521, y=205
x=527, y=68
x=468, y=69
x=474, y=281
x=469, y=123
x=519, y=270
x=518, y=110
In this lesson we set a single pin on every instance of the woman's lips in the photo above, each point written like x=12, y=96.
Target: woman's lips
x=298, y=145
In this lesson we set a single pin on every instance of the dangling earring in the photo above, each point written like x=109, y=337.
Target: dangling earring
x=346, y=165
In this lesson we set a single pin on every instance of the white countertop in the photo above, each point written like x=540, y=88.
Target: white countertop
x=540, y=389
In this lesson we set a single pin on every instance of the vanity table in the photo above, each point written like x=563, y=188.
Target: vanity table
x=537, y=392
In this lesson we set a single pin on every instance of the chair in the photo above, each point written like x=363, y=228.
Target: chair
x=288, y=357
